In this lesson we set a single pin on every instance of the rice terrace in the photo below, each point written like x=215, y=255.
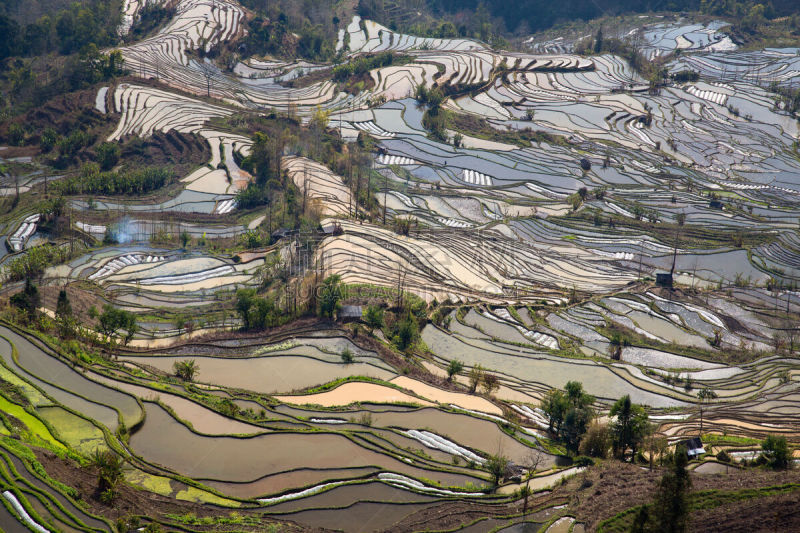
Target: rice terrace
x=399, y=265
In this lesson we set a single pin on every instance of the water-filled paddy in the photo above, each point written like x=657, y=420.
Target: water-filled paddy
x=243, y=459
x=268, y=374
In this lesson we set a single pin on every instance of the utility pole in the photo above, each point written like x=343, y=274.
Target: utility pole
x=385, y=189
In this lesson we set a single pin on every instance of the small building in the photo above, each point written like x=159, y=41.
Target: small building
x=664, y=279
x=694, y=447
x=350, y=313
x=332, y=227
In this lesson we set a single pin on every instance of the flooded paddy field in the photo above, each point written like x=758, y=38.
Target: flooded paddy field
x=530, y=240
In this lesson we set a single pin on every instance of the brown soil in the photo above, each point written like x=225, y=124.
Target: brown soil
x=774, y=513
x=80, y=300
x=64, y=113
x=617, y=486
x=177, y=150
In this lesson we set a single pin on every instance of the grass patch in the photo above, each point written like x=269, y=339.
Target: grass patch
x=35, y=426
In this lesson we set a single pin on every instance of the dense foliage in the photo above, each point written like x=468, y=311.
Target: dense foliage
x=292, y=28
x=256, y=312
x=35, y=260
x=139, y=181
x=115, y=321
x=65, y=31
x=364, y=64
x=485, y=19
x=569, y=413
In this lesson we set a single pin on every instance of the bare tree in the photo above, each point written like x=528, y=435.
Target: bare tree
x=532, y=461
x=208, y=72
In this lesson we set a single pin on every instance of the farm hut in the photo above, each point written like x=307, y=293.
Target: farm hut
x=694, y=447
x=350, y=313
x=664, y=279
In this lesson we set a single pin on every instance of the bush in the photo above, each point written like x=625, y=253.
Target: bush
x=723, y=457
x=583, y=461
x=16, y=135
x=48, y=139
x=373, y=317
x=347, y=356
x=254, y=195
x=70, y=145
x=407, y=331
x=108, y=155
x=454, y=368
x=186, y=370
x=596, y=442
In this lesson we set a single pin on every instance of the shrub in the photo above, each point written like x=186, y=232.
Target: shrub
x=776, y=452
x=407, y=331
x=347, y=356
x=596, y=441
x=108, y=155
x=373, y=317
x=186, y=370
x=723, y=457
x=16, y=135
x=48, y=139
x=454, y=368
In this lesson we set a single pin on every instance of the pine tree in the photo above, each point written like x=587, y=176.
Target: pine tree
x=671, y=505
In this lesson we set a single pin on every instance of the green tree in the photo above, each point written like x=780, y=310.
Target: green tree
x=48, y=139
x=244, y=301
x=640, y=521
x=497, y=466
x=373, y=317
x=555, y=406
x=490, y=383
x=113, y=321
x=475, y=377
x=598, y=41
x=186, y=370
x=670, y=512
x=28, y=300
x=407, y=332
x=776, y=451
x=578, y=415
x=454, y=368
x=64, y=314
x=260, y=159
x=630, y=426
x=330, y=296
